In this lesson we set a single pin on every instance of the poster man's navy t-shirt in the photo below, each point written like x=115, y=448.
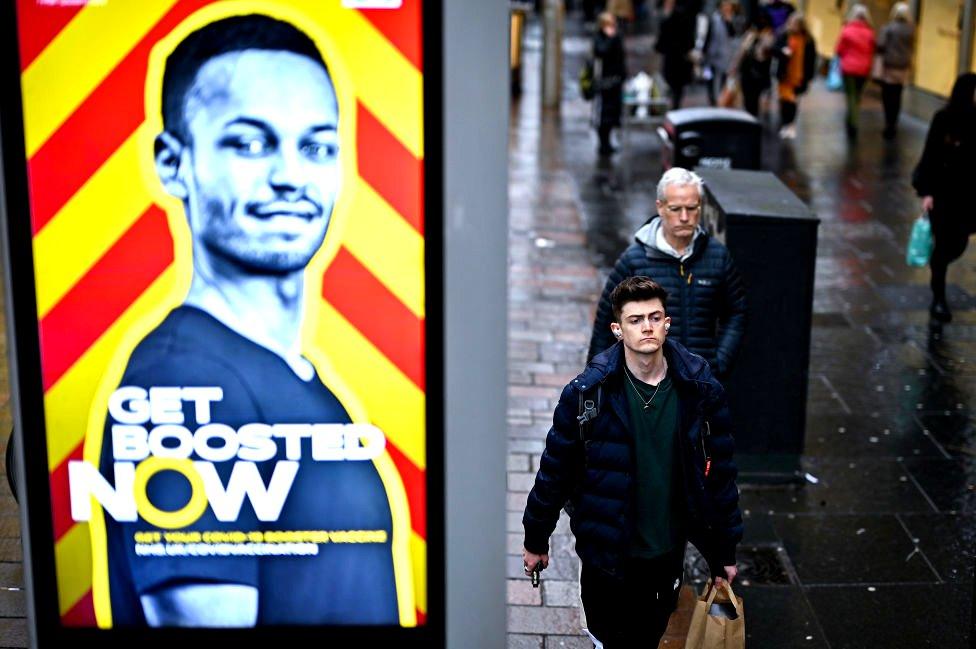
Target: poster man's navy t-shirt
x=344, y=583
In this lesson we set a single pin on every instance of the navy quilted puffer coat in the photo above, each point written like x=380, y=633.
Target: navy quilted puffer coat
x=706, y=297
x=597, y=476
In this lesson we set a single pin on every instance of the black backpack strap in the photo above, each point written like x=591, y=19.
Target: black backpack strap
x=588, y=410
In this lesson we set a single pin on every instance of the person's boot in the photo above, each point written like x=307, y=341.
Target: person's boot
x=940, y=311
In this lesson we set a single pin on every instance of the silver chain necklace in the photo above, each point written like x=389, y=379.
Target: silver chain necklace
x=640, y=397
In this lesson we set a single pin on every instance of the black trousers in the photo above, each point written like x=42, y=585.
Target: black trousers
x=632, y=612
x=751, y=93
x=787, y=112
x=950, y=238
x=891, y=99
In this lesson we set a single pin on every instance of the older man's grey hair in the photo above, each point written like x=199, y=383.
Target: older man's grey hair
x=679, y=177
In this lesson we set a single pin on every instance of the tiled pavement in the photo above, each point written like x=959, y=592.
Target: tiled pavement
x=880, y=551
x=13, y=628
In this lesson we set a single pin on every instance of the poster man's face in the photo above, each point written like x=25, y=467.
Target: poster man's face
x=261, y=168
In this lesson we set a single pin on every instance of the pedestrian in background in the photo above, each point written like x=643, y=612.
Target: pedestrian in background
x=895, y=45
x=855, y=47
x=676, y=42
x=623, y=11
x=942, y=178
x=796, y=57
x=651, y=469
x=610, y=71
x=721, y=45
x=778, y=12
x=753, y=62
x=707, y=297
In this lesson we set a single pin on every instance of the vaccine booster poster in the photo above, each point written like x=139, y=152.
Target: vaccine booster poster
x=226, y=201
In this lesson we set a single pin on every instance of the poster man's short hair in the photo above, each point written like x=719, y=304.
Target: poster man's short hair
x=233, y=34
x=636, y=289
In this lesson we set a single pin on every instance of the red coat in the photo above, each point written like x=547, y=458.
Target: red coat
x=855, y=47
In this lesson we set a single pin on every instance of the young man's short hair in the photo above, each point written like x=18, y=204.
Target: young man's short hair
x=636, y=289
x=233, y=34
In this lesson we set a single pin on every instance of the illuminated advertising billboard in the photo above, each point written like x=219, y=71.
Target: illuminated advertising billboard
x=220, y=280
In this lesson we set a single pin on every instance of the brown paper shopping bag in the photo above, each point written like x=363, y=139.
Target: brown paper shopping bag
x=718, y=621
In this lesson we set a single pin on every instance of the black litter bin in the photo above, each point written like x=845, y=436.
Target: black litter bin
x=772, y=237
x=718, y=138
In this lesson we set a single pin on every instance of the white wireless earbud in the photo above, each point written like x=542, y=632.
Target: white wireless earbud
x=667, y=326
x=618, y=334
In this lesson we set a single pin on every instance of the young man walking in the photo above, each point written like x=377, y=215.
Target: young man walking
x=648, y=469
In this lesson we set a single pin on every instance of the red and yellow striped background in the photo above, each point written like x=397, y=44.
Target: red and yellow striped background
x=111, y=252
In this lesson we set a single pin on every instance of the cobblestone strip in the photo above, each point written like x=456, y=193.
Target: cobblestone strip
x=553, y=286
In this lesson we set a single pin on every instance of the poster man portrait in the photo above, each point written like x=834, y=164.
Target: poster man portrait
x=250, y=147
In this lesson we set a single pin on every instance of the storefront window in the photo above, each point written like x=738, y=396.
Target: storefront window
x=972, y=60
x=938, y=45
x=824, y=18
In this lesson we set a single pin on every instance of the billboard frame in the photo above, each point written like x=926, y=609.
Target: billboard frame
x=27, y=394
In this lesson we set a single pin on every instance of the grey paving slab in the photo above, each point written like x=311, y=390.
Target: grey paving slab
x=949, y=483
x=778, y=617
x=13, y=603
x=11, y=575
x=523, y=641
x=544, y=620
x=840, y=435
x=843, y=486
x=520, y=591
x=909, y=616
x=948, y=541
x=860, y=548
x=13, y=633
x=953, y=428
x=561, y=593
x=568, y=642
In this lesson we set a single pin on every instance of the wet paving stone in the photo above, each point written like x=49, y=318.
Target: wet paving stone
x=758, y=529
x=953, y=428
x=949, y=483
x=910, y=297
x=948, y=541
x=856, y=549
x=907, y=616
x=778, y=617
x=860, y=435
x=843, y=487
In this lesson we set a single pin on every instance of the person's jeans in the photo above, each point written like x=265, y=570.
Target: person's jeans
x=853, y=88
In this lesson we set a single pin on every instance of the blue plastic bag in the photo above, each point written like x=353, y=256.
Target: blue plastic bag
x=835, y=80
x=920, y=242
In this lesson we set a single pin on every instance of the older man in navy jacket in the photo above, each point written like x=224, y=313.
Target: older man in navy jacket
x=707, y=297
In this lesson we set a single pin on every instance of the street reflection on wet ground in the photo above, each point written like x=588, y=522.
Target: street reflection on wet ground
x=876, y=548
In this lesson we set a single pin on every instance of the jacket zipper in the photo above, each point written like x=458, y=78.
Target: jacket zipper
x=707, y=460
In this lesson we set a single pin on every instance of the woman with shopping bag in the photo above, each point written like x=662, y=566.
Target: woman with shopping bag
x=855, y=49
x=942, y=178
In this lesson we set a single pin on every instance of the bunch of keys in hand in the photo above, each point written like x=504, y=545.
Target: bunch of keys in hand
x=534, y=573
